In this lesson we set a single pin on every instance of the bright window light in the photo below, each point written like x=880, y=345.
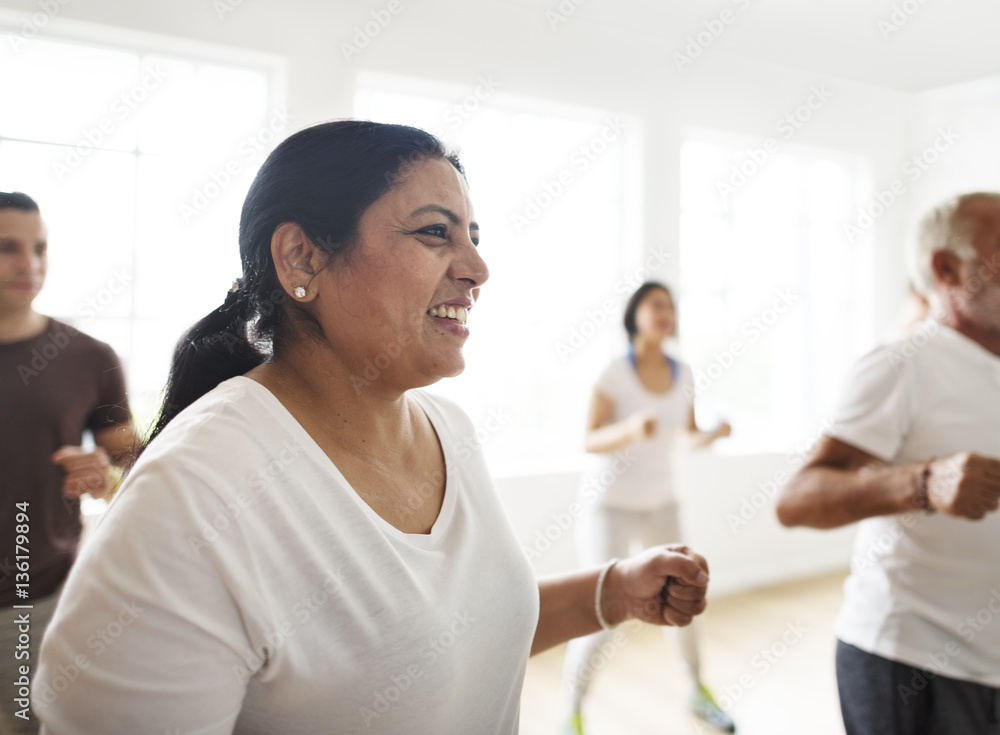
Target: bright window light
x=775, y=301
x=556, y=248
x=140, y=162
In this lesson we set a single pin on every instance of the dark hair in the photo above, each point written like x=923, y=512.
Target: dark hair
x=17, y=200
x=633, y=305
x=323, y=179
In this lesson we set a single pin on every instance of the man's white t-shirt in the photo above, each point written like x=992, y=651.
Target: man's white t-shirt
x=924, y=589
x=239, y=585
x=640, y=476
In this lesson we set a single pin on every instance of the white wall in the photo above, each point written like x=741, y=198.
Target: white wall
x=588, y=64
x=727, y=516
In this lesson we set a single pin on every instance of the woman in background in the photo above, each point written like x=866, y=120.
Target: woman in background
x=640, y=402
x=300, y=548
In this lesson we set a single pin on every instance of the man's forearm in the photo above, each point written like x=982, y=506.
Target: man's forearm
x=827, y=497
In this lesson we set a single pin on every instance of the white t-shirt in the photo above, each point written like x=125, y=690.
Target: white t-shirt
x=925, y=589
x=639, y=476
x=239, y=585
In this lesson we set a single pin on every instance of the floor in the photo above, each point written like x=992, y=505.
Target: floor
x=767, y=655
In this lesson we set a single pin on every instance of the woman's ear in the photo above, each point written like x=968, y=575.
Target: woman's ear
x=296, y=260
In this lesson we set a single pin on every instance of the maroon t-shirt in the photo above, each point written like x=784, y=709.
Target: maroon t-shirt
x=52, y=388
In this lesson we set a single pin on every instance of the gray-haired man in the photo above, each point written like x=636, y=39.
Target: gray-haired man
x=913, y=455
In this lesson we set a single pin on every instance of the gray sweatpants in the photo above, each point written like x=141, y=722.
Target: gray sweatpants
x=604, y=534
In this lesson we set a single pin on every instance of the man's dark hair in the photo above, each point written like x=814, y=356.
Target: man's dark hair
x=17, y=200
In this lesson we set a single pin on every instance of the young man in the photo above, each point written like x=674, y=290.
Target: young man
x=55, y=383
x=914, y=456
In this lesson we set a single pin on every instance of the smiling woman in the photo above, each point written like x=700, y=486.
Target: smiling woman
x=301, y=547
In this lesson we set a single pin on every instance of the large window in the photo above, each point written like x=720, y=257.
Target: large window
x=554, y=194
x=775, y=299
x=140, y=160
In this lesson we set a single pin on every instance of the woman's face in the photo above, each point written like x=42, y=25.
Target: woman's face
x=386, y=309
x=655, y=317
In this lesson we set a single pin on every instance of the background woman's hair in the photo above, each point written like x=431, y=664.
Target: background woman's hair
x=633, y=305
x=323, y=179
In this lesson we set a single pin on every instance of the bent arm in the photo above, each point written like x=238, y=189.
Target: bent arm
x=602, y=435
x=841, y=484
x=698, y=439
x=118, y=441
x=93, y=472
x=633, y=588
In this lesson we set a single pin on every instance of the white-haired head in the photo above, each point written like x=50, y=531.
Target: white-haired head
x=943, y=228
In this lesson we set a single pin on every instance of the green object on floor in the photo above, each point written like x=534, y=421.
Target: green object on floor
x=704, y=706
x=574, y=725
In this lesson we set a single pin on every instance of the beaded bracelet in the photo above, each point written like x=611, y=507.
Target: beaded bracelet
x=597, y=594
x=921, y=498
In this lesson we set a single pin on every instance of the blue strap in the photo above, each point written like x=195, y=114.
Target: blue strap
x=671, y=362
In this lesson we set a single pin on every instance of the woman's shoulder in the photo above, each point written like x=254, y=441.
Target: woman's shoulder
x=621, y=365
x=231, y=421
x=449, y=413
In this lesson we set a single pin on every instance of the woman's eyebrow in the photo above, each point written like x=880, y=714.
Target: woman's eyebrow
x=452, y=217
x=436, y=208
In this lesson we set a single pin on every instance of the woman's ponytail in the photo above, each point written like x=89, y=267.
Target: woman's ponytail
x=215, y=349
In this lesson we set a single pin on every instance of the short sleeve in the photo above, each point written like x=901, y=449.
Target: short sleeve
x=877, y=404
x=147, y=628
x=609, y=382
x=111, y=408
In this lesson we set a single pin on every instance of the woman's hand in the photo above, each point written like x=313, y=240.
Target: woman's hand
x=642, y=424
x=665, y=585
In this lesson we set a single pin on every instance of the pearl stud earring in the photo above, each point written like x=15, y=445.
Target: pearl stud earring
x=300, y=293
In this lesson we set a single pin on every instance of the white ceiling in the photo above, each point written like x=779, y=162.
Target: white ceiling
x=943, y=42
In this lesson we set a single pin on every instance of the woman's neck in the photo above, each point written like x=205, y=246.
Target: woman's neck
x=325, y=396
x=647, y=350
